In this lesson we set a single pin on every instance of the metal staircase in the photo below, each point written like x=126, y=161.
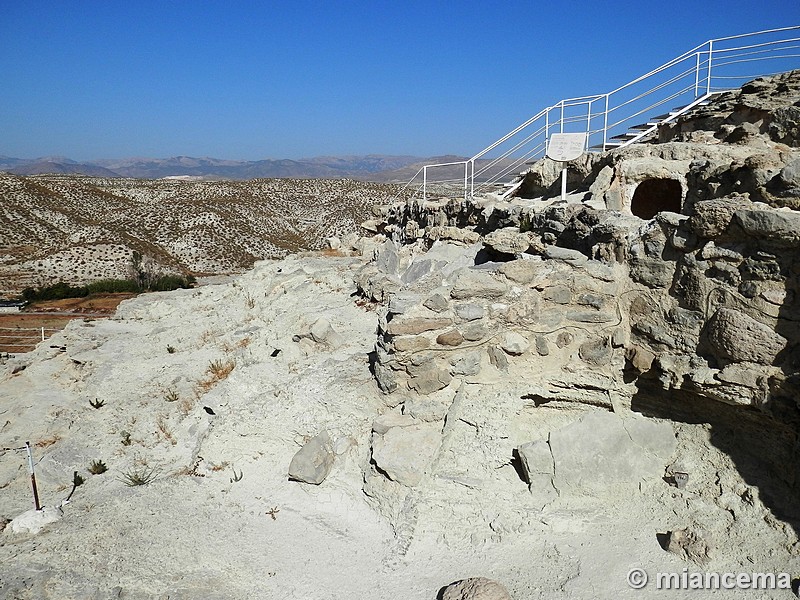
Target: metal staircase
x=614, y=119
x=642, y=131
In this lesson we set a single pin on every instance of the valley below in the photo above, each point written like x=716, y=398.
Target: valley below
x=80, y=229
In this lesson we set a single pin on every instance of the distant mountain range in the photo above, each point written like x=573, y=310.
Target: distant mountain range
x=372, y=167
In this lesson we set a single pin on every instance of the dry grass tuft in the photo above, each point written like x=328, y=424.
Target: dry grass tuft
x=164, y=430
x=48, y=441
x=217, y=371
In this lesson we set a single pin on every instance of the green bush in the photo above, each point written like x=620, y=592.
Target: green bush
x=62, y=290
x=113, y=286
x=58, y=291
x=166, y=283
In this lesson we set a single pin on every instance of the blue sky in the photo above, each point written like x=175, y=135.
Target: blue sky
x=253, y=80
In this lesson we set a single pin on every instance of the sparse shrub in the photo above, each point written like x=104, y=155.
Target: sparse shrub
x=126, y=438
x=170, y=349
x=220, y=369
x=138, y=476
x=97, y=403
x=171, y=396
x=236, y=477
x=97, y=467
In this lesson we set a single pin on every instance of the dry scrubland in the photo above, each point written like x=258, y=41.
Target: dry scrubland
x=80, y=229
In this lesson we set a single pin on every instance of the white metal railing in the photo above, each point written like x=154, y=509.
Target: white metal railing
x=624, y=115
x=23, y=338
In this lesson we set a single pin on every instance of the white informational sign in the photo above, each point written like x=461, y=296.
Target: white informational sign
x=564, y=147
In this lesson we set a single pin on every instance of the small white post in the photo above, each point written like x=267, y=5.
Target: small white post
x=564, y=182
x=42, y=333
x=33, y=477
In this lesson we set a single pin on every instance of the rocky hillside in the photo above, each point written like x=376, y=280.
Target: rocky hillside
x=549, y=394
x=80, y=228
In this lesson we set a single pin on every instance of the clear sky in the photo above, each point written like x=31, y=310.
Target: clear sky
x=294, y=78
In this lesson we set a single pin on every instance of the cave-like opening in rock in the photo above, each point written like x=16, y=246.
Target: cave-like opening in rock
x=655, y=195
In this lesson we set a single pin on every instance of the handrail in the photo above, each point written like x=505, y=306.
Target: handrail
x=688, y=78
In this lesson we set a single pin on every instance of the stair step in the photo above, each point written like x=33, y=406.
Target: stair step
x=664, y=116
x=624, y=136
x=609, y=146
x=678, y=110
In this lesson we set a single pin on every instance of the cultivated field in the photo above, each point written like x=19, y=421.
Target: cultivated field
x=21, y=331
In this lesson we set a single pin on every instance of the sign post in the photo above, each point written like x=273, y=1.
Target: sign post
x=564, y=147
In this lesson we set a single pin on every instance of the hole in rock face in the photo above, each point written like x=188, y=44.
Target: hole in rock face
x=655, y=195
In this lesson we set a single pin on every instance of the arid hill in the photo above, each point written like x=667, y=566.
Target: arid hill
x=79, y=228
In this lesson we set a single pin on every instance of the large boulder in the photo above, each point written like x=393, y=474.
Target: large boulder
x=404, y=453
x=475, y=588
x=386, y=258
x=601, y=452
x=522, y=271
x=471, y=283
x=314, y=461
x=712, y=218
x=736, y=337
x=781, y=227
x=507, y=241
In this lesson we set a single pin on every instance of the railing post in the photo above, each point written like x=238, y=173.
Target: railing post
x=546, y=127
x=466, y=170
x=472, y=178
x=561, y=125
x=710, y=55
x=605, y=124
x=425, y=183
x=42, y=333
x=697, y=75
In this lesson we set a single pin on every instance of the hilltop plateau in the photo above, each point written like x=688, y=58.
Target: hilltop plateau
x=536, y=398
